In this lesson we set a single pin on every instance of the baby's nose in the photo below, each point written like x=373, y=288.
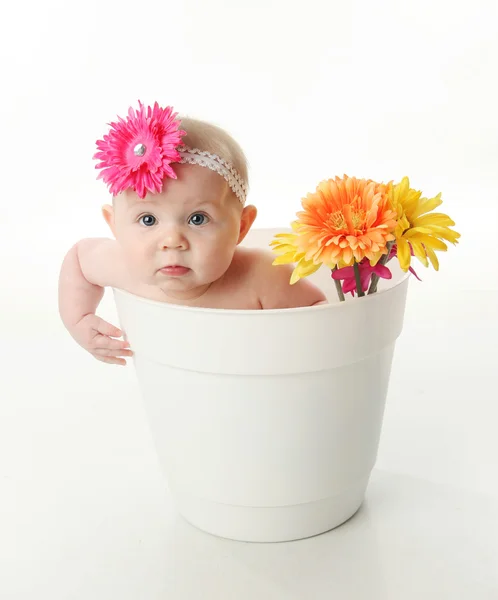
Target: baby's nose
x=173, y=238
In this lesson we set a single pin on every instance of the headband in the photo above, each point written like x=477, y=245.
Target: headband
x=137, y=153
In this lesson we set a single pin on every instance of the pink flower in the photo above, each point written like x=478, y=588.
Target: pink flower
x=137, y=153
x=366, y=272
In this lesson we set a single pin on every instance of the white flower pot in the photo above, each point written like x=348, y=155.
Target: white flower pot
x=267, y=423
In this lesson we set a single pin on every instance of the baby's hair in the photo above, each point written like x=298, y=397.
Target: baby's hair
x=210, y=138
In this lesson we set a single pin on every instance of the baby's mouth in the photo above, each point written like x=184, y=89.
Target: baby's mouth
x=174, y=270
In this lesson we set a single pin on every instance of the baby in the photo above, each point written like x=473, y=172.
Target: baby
x=177, y=226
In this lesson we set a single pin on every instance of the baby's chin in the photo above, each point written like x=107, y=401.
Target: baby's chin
x=187, y=282
x=181, y=293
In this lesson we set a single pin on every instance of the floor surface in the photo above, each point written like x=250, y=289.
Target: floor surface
x=85, y=512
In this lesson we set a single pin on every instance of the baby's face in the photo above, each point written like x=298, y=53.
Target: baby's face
x=183, y=239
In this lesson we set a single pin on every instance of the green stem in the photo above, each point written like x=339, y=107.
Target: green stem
x=357, y=277
x=338, y=287
x=382, y=261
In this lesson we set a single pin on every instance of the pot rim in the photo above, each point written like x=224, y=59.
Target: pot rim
x=286, y=311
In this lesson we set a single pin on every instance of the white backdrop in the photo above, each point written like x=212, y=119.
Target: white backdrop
x=371, y=89
x=311, y=90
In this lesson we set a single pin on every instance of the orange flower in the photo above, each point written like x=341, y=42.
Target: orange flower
x=345, y=220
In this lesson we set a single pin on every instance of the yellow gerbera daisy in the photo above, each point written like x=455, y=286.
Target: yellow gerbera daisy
x=285, y=245
x=418, y=229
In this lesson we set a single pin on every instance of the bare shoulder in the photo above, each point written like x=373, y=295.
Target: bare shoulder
x=273, y=286
x=101, y=262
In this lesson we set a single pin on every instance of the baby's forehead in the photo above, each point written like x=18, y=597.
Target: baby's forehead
x=188, y=200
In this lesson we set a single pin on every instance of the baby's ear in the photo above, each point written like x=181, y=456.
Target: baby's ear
x=247, y=218
x=108, y=214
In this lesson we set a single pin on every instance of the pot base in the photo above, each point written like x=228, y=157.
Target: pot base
x=271, y=524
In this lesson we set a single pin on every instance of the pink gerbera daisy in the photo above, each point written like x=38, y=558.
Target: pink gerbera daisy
x=137, y=152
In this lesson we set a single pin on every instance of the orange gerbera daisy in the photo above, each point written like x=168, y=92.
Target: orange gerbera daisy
x=345, y=220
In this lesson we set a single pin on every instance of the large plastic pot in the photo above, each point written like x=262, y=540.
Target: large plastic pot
x=267, y=423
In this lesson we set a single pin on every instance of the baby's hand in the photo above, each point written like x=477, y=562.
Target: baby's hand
x=96, y=335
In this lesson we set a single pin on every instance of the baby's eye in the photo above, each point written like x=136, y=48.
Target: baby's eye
x=198, y=219
x=147, y=220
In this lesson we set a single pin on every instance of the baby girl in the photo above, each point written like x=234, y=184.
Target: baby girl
x=178, y=216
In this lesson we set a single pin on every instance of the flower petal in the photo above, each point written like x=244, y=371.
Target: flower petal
x=344, y=273
x=426, y=205
x=285, y=259
x=420, y=252
x=404, y=254
x=412, y=270
x=433, y=258
x=383, y=271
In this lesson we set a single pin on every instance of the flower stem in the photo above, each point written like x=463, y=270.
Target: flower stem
x=338, y=287
x=357, y=277
x=382, y=261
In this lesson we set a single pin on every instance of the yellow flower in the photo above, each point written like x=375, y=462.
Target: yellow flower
x=418, y=228
x=285, y=245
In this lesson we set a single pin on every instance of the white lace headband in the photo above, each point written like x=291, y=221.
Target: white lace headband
x=194, y=156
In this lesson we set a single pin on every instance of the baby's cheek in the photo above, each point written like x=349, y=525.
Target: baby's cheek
x=139, y=263
x=217, y=263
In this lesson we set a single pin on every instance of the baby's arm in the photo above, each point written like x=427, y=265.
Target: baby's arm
x=276, y=290
x=84, y=275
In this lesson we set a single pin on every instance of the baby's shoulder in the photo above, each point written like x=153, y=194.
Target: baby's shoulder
x=102, y=262
x=272, y=282
x=254, y=262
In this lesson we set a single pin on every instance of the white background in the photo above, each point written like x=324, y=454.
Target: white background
x=311, y=90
